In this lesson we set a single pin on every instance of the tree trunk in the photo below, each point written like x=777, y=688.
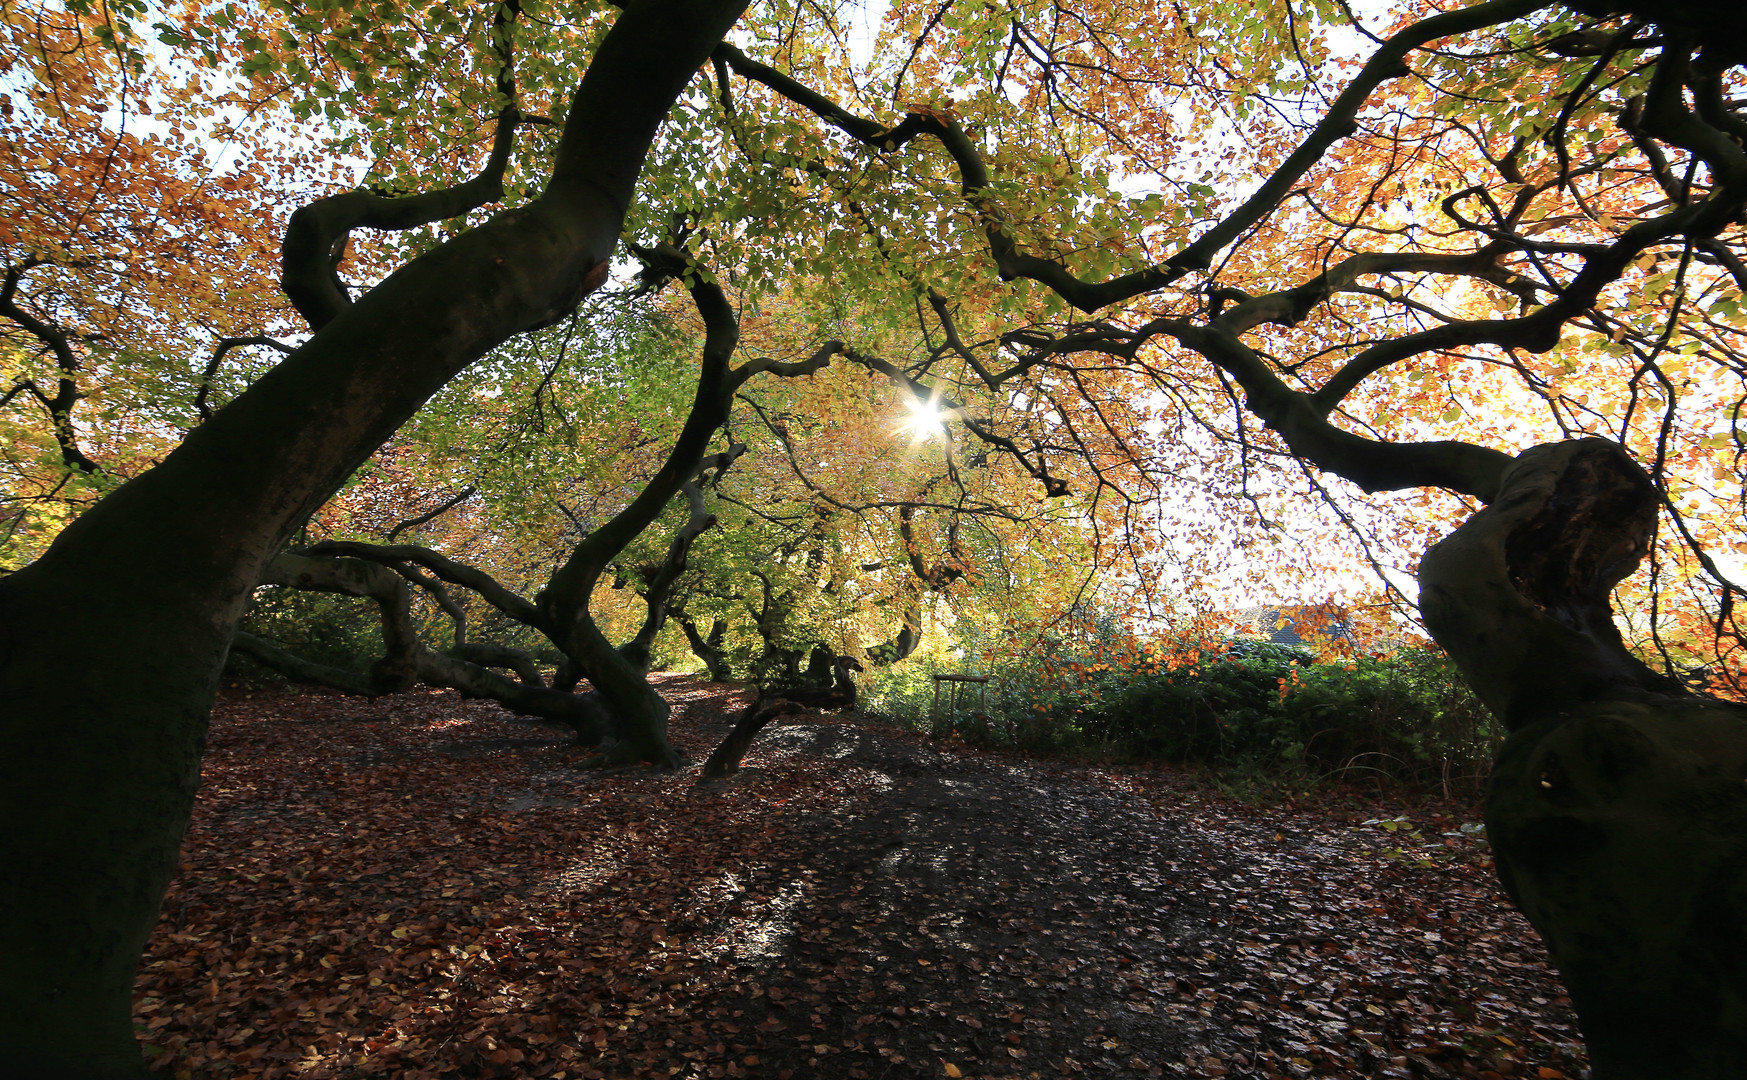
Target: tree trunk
x=725, y=761
x=111, y=643
x=1617, y=808
x=708, y=647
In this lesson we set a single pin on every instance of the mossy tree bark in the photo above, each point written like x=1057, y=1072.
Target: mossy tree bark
x=102, y=759
x=1617, y=807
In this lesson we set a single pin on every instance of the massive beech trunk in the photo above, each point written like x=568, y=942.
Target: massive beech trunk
x=111, y=643
x=1617, y=808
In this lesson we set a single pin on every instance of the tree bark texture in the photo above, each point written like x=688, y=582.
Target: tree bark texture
x=707, y=647
x=101, y=760
x=409, y=661
x=1617, y=808
x=725, y=760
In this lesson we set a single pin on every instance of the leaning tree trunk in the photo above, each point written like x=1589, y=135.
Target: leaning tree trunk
x=725, y=760
x=1617, y=808
x=111, y=643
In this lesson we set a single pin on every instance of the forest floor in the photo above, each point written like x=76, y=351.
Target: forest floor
x=418, y=886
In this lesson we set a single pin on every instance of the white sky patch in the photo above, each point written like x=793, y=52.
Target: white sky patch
x=862, y=25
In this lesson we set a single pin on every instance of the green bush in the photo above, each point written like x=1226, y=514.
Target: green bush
x=340, y=631
x=1407, y=717
x=1244, y=705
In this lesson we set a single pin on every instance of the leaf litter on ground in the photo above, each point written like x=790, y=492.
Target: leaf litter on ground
x=420, y=886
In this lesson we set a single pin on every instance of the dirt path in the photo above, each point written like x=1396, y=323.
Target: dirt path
x=1076, y=920
x=461, y=899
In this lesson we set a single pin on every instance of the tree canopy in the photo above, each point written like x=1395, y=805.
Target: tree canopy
x=651, y=294
x=1094, y=258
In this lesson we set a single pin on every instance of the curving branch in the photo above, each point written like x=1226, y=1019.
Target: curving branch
x=658, y=580
x=943, y=573
x=788, y=369
x=444, y=567
x=408, y=661
x=58, y=405
x=1389, y=62
x=903, y=643
x=1372, y=464
x=565, y=597
x=317, y=234
x=224, y=346
x=440, y=595
x=298, y=669
x=1289, y=307
x=505, y=656
x=442, y=508
x=355, y=577
x=707, y=647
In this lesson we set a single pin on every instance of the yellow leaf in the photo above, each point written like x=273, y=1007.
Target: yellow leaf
x=952, y=1070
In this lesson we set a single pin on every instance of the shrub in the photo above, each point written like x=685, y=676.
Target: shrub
x=340, y=631
x=1226, y=704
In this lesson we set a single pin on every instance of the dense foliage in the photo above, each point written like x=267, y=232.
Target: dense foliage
x=1242, y=705
x=139, y=291
x=1183, y=306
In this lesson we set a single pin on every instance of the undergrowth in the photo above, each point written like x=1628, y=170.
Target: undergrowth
x=1243, y=708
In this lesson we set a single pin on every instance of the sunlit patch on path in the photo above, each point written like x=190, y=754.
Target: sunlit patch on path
x=423, y=887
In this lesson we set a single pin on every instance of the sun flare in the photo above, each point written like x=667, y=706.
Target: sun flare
x=925, y=418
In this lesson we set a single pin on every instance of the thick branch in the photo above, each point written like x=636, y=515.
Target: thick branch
x=564, y=603
x=1519, y=594
x=408, y=659
x=565, y=598
x=517, y=660
x=725, y=760
x=659, y=581
x=706, y=647
x=434, y=589
x=316, y=235
x=298, y=669
x=787, y=369
x=903, y=643
x=1289, y=307
x=587, y=714
x=942, y=573
x=1374, y=466
x=355, y=577
x=444, y=567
